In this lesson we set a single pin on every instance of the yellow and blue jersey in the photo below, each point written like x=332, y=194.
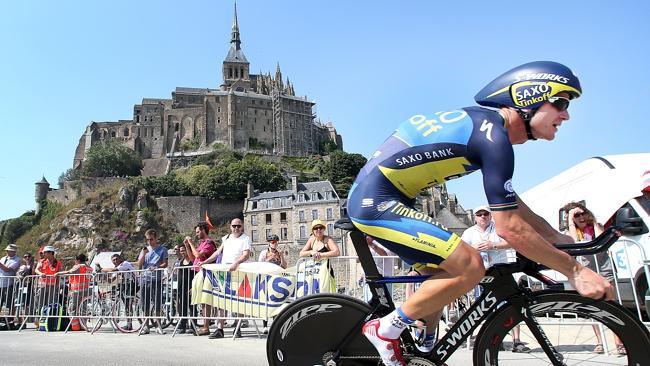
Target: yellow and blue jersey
x=426, y=150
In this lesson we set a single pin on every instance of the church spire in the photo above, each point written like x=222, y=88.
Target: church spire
x=235, y=31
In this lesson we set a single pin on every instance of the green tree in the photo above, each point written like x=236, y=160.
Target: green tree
x=341, y=169
x=69, y=175
x=110, y=159
x=167, y=185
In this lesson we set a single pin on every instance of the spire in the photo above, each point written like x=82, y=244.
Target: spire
x=235, y=31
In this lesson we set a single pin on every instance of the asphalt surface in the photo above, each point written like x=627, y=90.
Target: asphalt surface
x=30, y=347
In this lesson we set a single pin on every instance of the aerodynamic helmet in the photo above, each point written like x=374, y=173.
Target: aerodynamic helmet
x=529, y=86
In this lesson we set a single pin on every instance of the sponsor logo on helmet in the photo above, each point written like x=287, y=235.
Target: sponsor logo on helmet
x=383, y=206
x=541, y=76
x=530, y=92
x=508, y=185
x=367, y=202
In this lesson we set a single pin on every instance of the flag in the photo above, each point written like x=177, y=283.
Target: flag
x=207, y=221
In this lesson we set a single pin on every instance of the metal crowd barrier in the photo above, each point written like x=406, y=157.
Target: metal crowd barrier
x=9, y=293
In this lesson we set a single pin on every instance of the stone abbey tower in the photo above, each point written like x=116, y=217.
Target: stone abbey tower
x=248, y=112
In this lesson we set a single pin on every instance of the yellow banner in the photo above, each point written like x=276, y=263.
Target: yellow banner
x=259, y=289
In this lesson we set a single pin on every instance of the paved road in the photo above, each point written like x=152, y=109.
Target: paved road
x=106, y=348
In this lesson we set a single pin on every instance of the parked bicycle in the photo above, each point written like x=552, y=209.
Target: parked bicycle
x=325, y=329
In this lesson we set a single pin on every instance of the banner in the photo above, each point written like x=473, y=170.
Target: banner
x=259, y=289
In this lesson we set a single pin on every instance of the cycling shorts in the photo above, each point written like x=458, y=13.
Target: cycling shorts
x=381, y=211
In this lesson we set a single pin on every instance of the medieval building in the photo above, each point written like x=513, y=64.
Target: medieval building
x=248, y=112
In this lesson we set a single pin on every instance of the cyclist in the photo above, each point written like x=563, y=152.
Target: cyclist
x=531, y=103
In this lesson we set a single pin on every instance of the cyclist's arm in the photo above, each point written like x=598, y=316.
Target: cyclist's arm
x=515, y=229
x=541, y=226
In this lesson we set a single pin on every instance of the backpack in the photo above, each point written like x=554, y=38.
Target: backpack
x=53, y=318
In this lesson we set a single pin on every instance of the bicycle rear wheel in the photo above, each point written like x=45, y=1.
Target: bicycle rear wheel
x=127, y=315
x=566, y=319
x=308, y=331
x=90, y=313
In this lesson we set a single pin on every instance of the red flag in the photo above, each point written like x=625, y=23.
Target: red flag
x=207, y=221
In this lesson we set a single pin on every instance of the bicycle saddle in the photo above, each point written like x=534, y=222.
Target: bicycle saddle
x=346, y=224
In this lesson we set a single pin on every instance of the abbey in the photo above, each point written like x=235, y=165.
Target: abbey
x=248, y=112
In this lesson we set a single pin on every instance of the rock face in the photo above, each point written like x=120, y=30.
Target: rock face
x=109, y=222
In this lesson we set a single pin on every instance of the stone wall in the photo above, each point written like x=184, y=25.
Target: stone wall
x=185, y=211
x=79, y=188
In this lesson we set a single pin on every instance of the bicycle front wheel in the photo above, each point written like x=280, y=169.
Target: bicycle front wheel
x=572, y=325
x=309, y=331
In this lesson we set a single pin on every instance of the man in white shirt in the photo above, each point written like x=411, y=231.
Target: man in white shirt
x=9, y=266
x=483, y=236
x=236, y=249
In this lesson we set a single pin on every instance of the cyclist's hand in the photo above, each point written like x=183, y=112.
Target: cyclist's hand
x=590, y=284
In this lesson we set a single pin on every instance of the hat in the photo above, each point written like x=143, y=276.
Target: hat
x=12, y=247
x=645, y=181
x=49, y=248
x=482, y=208
x=315, y=223
x=272, y=238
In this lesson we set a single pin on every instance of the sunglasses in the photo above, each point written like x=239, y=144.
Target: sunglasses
x=236, y=226
x=482, y=214
x=319, y=228
x=579, y=214
x=560, y=103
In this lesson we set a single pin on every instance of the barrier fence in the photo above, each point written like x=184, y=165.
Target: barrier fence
x=188, y=298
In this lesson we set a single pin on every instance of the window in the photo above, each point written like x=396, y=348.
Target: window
x=254, y=235
x=254, y=218
x=314, y=214
x=301, y=198
x=302, y=232
x=269, y=203
x=283, y=217
x=301, y=216
x=330, y=229
x=284, y=202
x=283, y=233
x=269, y=219
x=328, y=215
x=269, y=232
x=314, y=196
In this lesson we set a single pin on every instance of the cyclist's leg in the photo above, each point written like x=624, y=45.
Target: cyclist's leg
x=416, y=238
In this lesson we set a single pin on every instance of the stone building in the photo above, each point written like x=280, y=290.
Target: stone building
x=248, y=112
x=288, y=214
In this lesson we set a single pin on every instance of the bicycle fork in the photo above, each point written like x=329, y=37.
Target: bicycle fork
x=533, y=325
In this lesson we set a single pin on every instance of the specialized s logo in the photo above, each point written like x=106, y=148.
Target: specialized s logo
x=508, y=186
x=487, y=126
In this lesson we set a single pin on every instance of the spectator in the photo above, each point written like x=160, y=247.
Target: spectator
x=583, y=227
x=27, y=294
x=79, y=283
x=271, y=254
x=9, y=266
x=48, y=283
x=152, y=260
x=127, y=284
x=483, y=236
x=319, y=245
x=198, y=255
x=385, y=266
x=185, y=275
x=235, y=249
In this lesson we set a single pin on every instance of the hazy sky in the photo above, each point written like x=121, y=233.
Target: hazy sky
x=368, y=65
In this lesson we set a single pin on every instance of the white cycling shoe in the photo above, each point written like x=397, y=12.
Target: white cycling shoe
x=389, y=349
